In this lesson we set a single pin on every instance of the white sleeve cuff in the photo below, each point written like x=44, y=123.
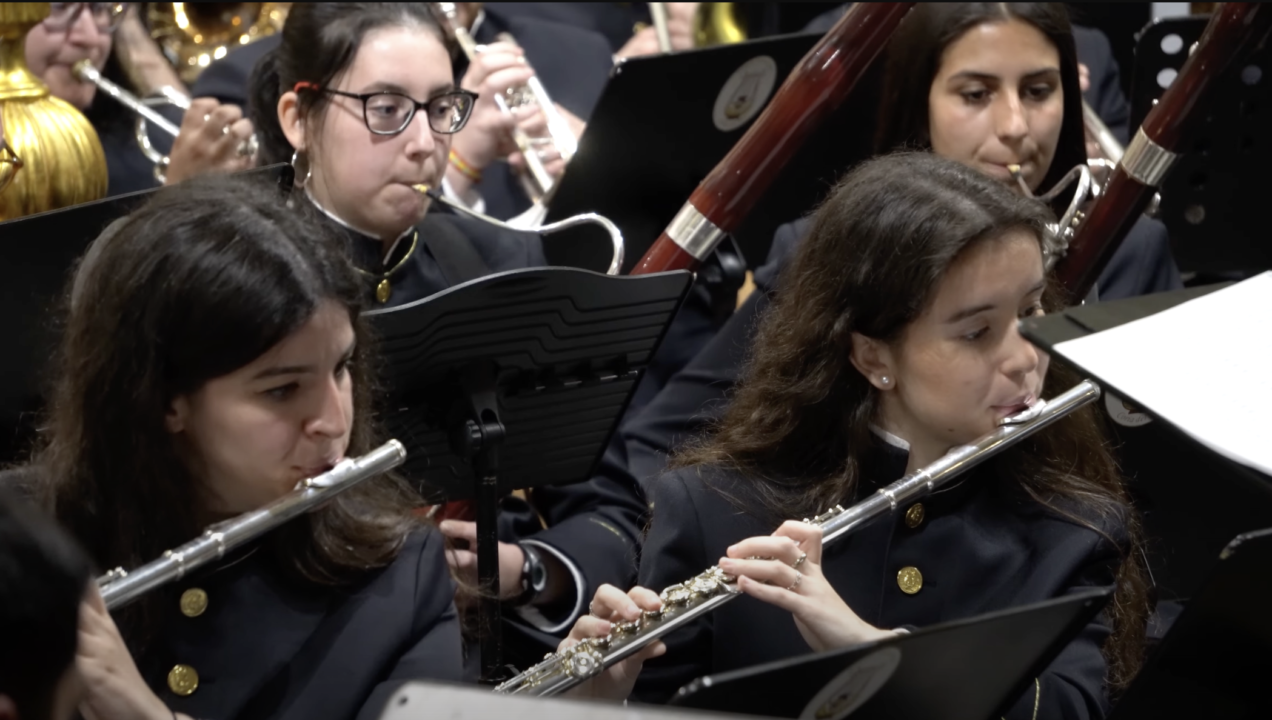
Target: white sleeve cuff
x=473, y=200
x=531, y=614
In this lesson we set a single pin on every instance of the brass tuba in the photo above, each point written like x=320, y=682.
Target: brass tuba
x=714, y=23
x=718, y=23
x=192, y=35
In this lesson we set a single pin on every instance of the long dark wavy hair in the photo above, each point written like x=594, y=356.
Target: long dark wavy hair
x=798, y=426
x=202, y=280
x=319, y=42
x=913, y=59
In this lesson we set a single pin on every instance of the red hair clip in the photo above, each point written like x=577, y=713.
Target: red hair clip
x=305, y=85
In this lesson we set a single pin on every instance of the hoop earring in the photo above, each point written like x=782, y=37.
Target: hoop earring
x=296, y=162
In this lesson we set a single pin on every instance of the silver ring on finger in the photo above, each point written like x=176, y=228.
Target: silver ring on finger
x=591, y=609
x=206, y=118
x=225, y=129
x=799, y=578
x=799, y=560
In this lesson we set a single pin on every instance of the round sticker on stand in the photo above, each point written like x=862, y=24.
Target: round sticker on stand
x=1123, y=412
x=744, y=93
x=853, y=687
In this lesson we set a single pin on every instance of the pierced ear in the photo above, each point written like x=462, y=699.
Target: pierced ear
x=290, y=120
x=174, y=421
x=873, y=359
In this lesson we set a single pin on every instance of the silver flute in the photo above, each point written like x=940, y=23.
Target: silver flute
x=684, y=602
x=120, y=587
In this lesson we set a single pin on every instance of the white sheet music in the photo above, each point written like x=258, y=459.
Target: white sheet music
x=1205, y=366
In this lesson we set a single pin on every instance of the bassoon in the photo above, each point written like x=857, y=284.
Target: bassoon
x=1234, y=32
x=808, y=97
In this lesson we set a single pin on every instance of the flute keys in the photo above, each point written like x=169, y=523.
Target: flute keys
x=703, y=587
x=194, y=602
x=676, y=595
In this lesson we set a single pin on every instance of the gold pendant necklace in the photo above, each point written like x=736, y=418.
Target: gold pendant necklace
x=384, y=288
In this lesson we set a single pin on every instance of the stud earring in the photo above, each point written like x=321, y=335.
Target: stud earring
x=885, y=380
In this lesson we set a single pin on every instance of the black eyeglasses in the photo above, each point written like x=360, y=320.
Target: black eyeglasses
x=389, y=113
x=106, y=16
x=10, y=164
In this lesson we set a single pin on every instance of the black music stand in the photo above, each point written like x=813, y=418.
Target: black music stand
x=962, y=670
x=654, y=135
x=1212, y=201
x=516, y=380
x=36, y=256
x=1193, y=500
x=1216, y=658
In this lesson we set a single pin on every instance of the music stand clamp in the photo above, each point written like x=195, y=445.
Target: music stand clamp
x=516, y=380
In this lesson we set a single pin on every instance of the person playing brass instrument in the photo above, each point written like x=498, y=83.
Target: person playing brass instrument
x=360, y=97
x=893, y=339
x=111, y=37
x=213, y=356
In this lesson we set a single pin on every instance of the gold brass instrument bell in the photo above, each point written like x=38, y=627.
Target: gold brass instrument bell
x=60, y=153
x=192, y=35
x=714, y=23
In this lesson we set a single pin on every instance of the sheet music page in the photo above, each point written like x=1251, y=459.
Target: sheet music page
x=1205, y=366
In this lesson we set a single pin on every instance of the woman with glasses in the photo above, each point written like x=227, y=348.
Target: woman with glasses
x=111, y=37
x=359, y=98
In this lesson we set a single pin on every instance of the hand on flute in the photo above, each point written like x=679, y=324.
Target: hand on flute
x=784, y=569
x=113, y=687
x=611, y=605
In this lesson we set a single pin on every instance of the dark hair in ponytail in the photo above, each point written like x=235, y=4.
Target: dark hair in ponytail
x=319, y=42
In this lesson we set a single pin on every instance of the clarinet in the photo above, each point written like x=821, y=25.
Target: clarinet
x=120, y=587
x=684, y=602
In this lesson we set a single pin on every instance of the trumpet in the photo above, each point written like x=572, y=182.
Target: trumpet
x=536, y=181
x=120, y=587
x=144, y=108
x=686, y=601
x=615, y=235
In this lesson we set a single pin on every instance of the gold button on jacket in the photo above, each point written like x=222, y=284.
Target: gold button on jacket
x=910, y=580
x=193, y=602
x=914, y=516
x=183, y=680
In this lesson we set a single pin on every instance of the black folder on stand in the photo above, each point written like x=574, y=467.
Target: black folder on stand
x=969, y=669
x=1193, y=500
x=1217, y=657
x=37, y=253
x=516, y=380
